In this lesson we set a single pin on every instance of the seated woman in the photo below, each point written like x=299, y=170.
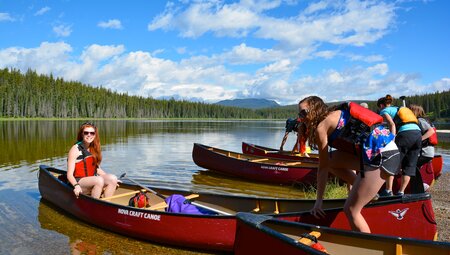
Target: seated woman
x=380, y=154
x=83, y=165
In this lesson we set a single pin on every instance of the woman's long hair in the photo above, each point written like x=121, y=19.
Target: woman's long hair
x=318, y=111
x=417, y=110
x=94, y=147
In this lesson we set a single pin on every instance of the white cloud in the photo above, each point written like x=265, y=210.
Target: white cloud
x=62, y=30
x=345, y=23
x=202, y=79
x=4, y=16
x=42, y=11
x=112, y=23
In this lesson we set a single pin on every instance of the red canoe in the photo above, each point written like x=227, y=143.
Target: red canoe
x=258, y=150
x=217, y=232
x=429, y=171
x=258, y=234
x=255, y=168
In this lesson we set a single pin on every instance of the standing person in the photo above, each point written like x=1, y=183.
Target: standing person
x=294, y=125
x=291, y=125
x=83, y=165
x=427, y=151
x=380, y=158
x=408, y=139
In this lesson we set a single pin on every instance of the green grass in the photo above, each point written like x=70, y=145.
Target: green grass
x=332, y=190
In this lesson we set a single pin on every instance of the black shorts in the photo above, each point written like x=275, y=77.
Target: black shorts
x=388, y=161
x=409, y=144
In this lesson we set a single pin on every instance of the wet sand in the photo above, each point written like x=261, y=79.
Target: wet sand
x=441, y=204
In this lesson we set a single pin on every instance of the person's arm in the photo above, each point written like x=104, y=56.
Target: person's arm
x=73, y=154
x=322, y=171
x=391, y=123
x=284, y=140
x=429, y=133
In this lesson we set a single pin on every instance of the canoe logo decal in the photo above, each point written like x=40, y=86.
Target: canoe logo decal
x=137, y=214
x=276, y=168
x=399, y=214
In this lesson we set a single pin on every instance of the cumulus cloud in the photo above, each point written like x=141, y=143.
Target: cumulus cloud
x=4, y=16
x=62, y=30
x=112, y=23
x=42, y=11
x=342, y=23
x=141, y=73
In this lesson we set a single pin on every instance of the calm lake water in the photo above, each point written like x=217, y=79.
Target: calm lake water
x=156, y=153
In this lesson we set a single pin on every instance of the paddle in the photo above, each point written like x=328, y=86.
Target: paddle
x=164, y=197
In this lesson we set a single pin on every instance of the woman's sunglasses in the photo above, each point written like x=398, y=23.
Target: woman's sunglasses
x=303, y=113
x=88, y=133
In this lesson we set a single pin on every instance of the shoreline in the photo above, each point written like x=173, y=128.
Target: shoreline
x=441, y=206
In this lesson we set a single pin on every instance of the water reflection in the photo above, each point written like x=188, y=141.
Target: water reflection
x=86, y=239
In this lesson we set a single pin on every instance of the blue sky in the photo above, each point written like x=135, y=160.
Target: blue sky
x=215, y=50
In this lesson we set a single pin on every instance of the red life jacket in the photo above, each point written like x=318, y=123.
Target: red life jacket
x=86, y=166
x=358, y=127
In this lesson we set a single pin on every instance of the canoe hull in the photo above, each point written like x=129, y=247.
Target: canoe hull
x=192, y=231
x=255, y=171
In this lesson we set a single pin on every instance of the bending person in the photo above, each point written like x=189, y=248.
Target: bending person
x=83, y=165
x=381, y=158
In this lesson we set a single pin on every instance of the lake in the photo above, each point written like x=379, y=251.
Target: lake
x=156, y=153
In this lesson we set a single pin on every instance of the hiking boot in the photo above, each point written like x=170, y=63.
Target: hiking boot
x=385, y=193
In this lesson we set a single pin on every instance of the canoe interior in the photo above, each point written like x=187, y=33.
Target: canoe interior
x=268, y=150
x=262, y=159
x=229, y=204
x=338, y=243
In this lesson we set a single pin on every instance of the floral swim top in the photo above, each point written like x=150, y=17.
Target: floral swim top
x=377, y=140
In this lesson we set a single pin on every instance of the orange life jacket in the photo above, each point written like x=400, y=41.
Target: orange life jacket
x=85, y=166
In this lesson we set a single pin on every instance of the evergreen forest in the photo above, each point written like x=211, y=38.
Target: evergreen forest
x=31, y=95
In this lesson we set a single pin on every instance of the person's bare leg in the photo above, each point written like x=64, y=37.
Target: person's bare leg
x=94, y=184
x=110, y=182
x=405, y=182
x=389, y=183
x=364, y=189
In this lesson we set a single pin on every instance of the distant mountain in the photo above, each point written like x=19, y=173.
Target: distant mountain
x=251, y=103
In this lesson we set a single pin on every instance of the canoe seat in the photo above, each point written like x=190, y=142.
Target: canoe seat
x=163, y=205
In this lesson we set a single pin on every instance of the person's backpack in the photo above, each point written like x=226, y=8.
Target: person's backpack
x=404, y=116
x=433, y=139
x=360, y=124
x=292, y=125
x=139, y=200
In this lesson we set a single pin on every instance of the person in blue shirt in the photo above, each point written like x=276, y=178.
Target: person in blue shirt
x=409, y=141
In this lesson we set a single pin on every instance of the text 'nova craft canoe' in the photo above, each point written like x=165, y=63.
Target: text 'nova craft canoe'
x=408, y=216
x=254, y=168
x=263, y=235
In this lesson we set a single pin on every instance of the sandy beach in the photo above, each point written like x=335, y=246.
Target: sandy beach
x=441, y=203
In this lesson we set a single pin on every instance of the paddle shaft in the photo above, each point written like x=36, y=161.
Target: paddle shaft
x=164, y=197
x=142, y=186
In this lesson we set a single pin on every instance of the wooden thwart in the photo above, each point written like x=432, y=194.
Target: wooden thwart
x=307, y=241
x=123, y=194
x=259, y=159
